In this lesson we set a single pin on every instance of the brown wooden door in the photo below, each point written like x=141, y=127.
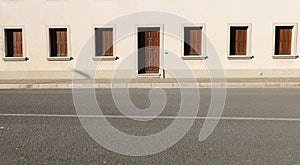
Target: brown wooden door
x=152, y=49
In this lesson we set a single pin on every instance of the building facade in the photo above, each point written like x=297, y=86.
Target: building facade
x=55, y=39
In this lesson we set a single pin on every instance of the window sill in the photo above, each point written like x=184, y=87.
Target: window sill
x=285, y=56
x=59, y=58
x=240, y=57
x=15, y=58
x=189, y=57
x=105, y=58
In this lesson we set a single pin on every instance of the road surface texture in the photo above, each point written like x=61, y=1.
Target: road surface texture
x=258, y=126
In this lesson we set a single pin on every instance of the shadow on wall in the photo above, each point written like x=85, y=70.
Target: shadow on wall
x=86, y=76
x=2, y=47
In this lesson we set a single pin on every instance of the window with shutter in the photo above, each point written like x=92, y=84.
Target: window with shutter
x=14, y=43
x=58, y=42
x=104, y=41
x=283, y=40
x=192, y=41
x=238, y=40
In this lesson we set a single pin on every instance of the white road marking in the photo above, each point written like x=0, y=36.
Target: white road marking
x=145, y=117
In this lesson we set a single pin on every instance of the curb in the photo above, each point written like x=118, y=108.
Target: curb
x=154, y=85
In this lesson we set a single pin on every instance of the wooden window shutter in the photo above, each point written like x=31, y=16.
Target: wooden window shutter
x=238, y=40
x=283, y=37
x=14, y=43
x=107, y=42
x=193, y=41
x=64, y=43
x=242, y=41
x=58, y=42
x=61, y=42
x=17, y=44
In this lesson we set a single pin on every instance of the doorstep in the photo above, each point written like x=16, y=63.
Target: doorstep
x=149, y=75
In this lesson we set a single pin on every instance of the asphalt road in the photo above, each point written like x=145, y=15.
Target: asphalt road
x=258, y=126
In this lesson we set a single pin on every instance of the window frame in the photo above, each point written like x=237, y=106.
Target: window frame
x=293, y=54
x=104, y=58
x=59, y=58
x=5, y=57
x=248, y=55
x=202, y=55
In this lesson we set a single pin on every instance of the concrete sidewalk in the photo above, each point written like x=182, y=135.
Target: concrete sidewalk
x=153, y=83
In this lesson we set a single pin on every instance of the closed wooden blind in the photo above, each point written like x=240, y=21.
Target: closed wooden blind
x=238, y=40
x=193, y=40
x=283, y=40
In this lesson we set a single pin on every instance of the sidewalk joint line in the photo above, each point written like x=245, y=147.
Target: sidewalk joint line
x=158, y=117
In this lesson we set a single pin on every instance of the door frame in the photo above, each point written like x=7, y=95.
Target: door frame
x=161, y=52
